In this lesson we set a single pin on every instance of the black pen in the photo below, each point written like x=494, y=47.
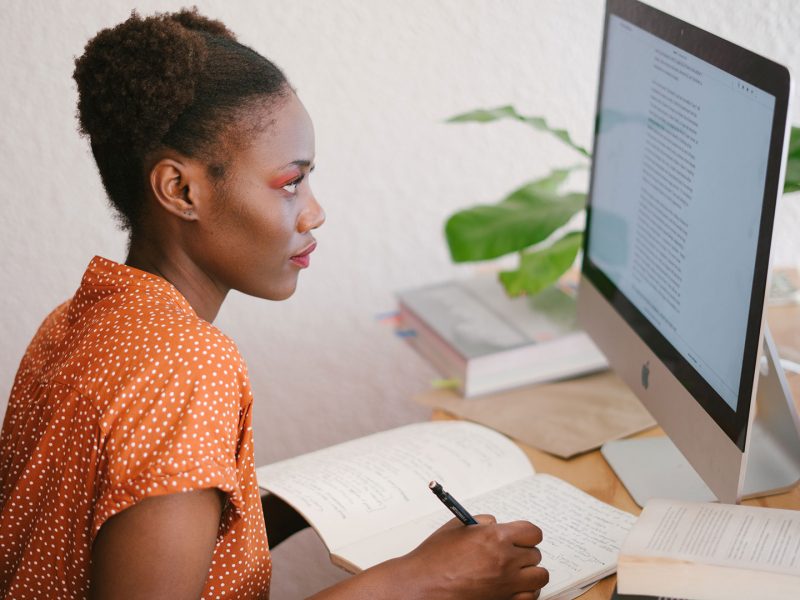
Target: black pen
x=452, y=504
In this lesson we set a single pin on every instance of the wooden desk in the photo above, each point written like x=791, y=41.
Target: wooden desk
x=591, y=473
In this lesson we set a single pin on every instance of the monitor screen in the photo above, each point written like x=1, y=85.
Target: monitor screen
x=681, y=155
x=676, y=227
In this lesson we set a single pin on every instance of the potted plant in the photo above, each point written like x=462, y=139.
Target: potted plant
x=526, y=219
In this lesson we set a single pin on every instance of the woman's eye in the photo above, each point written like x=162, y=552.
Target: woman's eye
x=291, y=187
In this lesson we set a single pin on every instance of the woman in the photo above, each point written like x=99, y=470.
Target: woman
x=126, y=456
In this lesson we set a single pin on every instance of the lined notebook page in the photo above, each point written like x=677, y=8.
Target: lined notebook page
x=374, y=483
x=582, y=535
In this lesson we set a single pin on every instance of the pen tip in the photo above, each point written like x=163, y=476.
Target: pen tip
x=432, y=484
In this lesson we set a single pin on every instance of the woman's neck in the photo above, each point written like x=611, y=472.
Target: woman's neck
x=173, y=264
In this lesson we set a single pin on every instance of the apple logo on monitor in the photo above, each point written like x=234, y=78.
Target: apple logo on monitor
x=646, y=374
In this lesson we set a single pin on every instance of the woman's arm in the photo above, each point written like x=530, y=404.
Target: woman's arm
x=159, y=548
x=488, y=561
x=162, y=548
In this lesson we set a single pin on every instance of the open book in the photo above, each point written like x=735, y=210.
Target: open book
x=368, y=499
x=709, y=551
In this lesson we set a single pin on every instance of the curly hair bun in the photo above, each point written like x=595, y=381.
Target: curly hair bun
x=176, y=80
x=134, y=80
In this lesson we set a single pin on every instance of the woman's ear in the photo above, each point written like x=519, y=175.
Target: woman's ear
x=177, y=186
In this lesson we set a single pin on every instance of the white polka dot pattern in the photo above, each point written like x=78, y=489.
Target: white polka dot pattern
x=125, y=394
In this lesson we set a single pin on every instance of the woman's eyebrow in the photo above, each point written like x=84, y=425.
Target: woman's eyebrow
x=299, y=163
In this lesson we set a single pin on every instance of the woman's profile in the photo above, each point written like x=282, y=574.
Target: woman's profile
x=126, y=454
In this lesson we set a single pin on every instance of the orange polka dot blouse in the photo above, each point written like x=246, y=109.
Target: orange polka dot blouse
x=124, y=394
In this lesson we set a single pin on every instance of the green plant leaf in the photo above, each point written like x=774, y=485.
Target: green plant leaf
x=550, y=182
x=792, y=181
x=525, y=217
x=486, y=115
x=542, y=268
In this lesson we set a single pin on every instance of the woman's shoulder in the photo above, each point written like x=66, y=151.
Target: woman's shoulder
x=160, y=324
x=152, y=342
x=45, y=343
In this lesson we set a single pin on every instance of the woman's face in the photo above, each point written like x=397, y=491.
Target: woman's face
x=255, y=235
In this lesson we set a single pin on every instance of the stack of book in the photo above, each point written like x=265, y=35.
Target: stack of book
x=485, y=342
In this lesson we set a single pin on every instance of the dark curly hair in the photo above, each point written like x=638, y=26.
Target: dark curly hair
x=174, y=80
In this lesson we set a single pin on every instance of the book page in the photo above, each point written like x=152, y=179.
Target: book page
x=582, y=535
x=364, y=486
x=767, y=539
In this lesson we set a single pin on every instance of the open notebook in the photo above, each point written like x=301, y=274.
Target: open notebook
x=368, y=499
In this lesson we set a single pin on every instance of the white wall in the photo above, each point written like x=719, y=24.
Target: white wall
x=378, y=77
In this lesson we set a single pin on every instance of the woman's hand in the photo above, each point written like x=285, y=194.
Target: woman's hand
x=488, y=561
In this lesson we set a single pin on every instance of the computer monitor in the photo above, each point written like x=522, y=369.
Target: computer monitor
x=689, y=152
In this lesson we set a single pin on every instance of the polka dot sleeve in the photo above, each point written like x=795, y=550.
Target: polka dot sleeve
x=171, y=434
x=124, y=394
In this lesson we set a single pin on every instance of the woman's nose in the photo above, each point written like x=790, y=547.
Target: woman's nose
x=313, y=216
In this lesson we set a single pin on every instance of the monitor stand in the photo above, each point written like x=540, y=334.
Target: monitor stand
x=655, y=468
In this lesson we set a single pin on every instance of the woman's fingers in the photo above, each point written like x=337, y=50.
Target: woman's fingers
x=526, y=596
x=500, y=560
x=529, y=557
x=485, y=519
x=524, y=534
x=533, y=578
x=456, y=523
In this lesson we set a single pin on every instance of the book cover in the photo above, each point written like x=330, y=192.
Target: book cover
x=472, y=332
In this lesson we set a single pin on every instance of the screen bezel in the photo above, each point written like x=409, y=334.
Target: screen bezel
x=769, y=77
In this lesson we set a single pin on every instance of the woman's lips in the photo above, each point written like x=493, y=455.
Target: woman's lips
x=303, y=259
